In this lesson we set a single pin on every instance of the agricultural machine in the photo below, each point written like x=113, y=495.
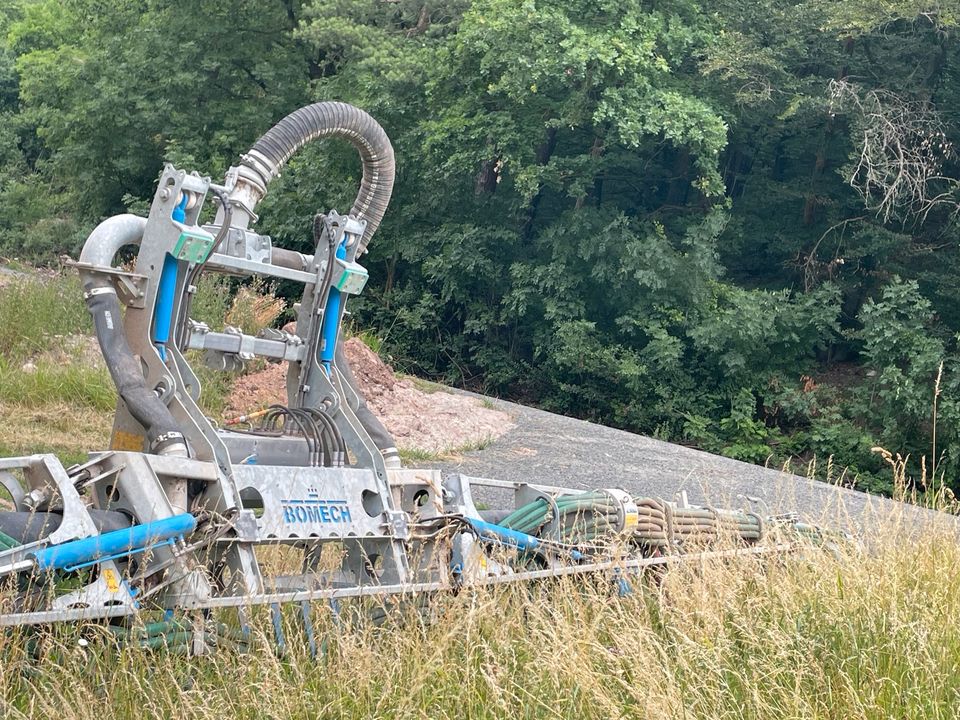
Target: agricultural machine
x=175, y=517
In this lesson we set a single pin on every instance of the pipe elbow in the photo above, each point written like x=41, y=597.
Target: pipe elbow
x=108, y=238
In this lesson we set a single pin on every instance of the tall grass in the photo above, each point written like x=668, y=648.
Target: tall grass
x=46, y=383
x=852, y=634
x=35, y=311
x=68, y=431
x=254, y=307
x=865, y=632
x=37, y=316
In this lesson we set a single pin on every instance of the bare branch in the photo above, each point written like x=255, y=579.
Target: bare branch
x=902, y=149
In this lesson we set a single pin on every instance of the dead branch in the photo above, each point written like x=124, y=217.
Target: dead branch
x=902, y=148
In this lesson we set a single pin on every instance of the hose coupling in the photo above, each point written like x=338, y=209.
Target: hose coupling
x=628, y=514
x=170, y=444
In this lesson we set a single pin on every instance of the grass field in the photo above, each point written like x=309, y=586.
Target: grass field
x=868, y=632
x=53, y=397
x=812, y=635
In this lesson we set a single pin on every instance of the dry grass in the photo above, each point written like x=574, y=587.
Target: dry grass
x=865, y=632
x=856, y=634
x=255, y=307
x=68, y=430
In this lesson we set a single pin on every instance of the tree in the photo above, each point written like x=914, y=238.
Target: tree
x=678, y=218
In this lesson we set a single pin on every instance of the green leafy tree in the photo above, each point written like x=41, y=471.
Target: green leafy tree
x=725, y=224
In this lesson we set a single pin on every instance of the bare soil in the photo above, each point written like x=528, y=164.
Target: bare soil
x=436, y=421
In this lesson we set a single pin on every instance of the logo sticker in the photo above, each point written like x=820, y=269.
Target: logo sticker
x=315, y=509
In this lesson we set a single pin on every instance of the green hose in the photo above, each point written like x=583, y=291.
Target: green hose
x=591, y=515
x=521, y=513
x=173, y=641
x=7, y=542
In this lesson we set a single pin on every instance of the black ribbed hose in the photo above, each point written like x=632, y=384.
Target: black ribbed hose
x=338, y=120
x=162, y=430
x=333, y=119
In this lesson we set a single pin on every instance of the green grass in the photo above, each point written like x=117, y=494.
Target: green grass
x=215, y=385
x=412, y=455
x=211, y=301
x=426, y=386
x=473, y=446
x=37, y=313
x=66, y=457
x=368, y=338
x=34, y=311
x=73, y=384
x=68, y=431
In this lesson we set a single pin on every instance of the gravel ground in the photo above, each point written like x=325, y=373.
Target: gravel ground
x=556, y=450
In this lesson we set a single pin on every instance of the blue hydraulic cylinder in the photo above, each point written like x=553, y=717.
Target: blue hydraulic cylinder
x=512, y=538
x=167, y=291
x=79, y=553
x=163, y=312
x=331, y=319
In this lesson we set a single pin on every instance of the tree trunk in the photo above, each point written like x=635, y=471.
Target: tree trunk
x=596, y=152
x=544, y=153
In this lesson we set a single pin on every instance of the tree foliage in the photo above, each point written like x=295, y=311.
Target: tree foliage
x=724, y=224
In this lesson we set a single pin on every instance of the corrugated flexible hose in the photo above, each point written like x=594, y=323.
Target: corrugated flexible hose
x=338, y=120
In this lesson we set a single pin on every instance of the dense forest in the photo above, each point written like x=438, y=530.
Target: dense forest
x=727, y=224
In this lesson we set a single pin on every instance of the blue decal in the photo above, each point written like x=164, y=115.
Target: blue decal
x=315, y=510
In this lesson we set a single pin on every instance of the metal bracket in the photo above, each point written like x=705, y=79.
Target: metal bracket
x=398, y=524
x=131, y=287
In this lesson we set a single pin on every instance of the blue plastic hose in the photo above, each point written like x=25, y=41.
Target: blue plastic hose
x=77, y=553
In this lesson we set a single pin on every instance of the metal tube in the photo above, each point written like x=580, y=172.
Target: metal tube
x=290, y=259
x=108, y=237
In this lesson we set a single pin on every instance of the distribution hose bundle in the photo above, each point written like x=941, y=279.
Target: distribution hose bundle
x=658, y=526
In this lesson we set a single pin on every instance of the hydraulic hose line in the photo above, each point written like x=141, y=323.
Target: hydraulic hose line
x=225, y=224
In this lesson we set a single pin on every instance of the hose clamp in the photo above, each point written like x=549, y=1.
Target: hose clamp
x=260, y=165
x=167, y=444
x=93, y=292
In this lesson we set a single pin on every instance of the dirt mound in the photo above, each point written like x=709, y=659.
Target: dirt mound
x=373, y=375
x=433, y=421
x=254, y=391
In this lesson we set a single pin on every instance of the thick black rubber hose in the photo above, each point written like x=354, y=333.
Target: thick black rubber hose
x=143, y=404
x=340, y=120
x=28, y=527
